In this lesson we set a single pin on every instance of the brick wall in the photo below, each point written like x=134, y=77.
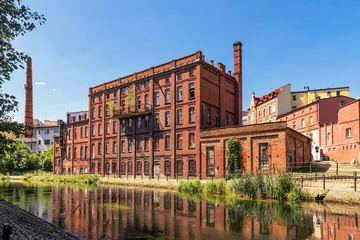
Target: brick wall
x=337, y=143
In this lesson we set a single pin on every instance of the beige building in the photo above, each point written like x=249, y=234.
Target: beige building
x=268, y=107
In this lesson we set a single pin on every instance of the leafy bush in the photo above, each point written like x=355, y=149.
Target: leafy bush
x=216, y=187
x=191, y=187
x=278, y=186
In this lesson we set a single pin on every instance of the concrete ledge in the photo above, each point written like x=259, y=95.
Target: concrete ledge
x=335, y=195
x=28, y=226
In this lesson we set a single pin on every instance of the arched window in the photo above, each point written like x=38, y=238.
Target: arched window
x=123, y=168
x=107, y=168
x=113, y=167
x=192, y=168
x=146, y=168
x=138, y=168
x=179, y=167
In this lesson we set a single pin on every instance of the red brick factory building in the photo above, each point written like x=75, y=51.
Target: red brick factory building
x=153, y=121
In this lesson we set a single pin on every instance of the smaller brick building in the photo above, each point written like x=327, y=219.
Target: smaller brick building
x=264, y=147
x=341, y=139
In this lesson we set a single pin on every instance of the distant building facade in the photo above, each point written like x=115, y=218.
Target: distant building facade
x=302, y=98
x=268, y=107
x=310, y=118
x=341, y=139
x=280, y=101
x=43, y=135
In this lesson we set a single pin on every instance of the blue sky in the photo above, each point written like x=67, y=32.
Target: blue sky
x=84, y=43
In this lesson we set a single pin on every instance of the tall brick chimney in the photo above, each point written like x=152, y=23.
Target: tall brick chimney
x=28, y=116
x=238, y=76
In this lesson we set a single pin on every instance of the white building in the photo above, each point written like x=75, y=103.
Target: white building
x=43, y=135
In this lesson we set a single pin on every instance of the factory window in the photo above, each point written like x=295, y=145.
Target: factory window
x=167, y=96
x=156, y=143
x=179, y=76
x=191, y=73
x=348, y=133
x=107, y=128
x=167, y=118
x=179, y=117
x=167, y=79
x=157, y=99
x=114, y=147
x=100, y=112
x=146, y=144
x=129, y=145
x=179, y=93
x=191, y=115
x=191, y=140
x=157, y=120
x=191, y=90
x=179, y=141
x=167, y=142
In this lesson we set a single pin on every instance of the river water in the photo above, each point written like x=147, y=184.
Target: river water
x=112, y=212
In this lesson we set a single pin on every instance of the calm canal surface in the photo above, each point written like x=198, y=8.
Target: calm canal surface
x=111, y=212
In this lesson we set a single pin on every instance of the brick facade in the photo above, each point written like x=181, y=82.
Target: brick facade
x=310, y=118
x=149, y=122
x=341, y=139
x=280, y=145
x=268, y=107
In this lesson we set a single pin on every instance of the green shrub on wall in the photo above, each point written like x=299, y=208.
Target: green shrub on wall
x=233, y=157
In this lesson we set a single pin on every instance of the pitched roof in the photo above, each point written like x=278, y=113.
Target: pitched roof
x=267, y=97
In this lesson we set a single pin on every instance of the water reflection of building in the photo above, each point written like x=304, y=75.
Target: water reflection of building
x=90, y=215
x=337, y=226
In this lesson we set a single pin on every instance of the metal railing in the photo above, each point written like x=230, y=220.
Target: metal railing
x=133, y=110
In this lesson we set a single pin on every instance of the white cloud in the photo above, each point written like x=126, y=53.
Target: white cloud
x=53, y=89
x=358, y=97
x=40, y=83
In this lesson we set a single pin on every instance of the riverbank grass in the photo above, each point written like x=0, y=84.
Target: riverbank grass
x=4, y=177
x=279, y=186
x=50, y=177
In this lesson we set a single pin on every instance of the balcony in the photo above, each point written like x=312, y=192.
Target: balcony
x=133, y=110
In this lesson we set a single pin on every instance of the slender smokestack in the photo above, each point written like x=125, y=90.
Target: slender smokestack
x=28, y=117
x=238, y=77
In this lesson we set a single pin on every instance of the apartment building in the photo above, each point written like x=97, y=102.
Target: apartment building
x=149, y=122
x=43, y=134
x=309, y=119
x=302, y=98
x=268, y=107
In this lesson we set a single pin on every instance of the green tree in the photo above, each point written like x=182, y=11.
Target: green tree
x=233, y=155
x=46, y=160
x=15, y=157
x=16, y=20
